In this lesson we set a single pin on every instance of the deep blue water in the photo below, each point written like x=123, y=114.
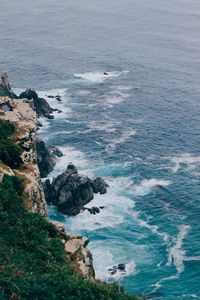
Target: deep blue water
x=138, y=126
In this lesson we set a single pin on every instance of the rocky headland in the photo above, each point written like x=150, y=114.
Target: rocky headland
x=70, y=191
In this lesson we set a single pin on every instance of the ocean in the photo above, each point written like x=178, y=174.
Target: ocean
x=137, y=126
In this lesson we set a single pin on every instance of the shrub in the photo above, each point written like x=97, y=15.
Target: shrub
x=9, y=151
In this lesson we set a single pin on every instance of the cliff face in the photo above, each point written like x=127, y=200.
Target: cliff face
x=22, y=114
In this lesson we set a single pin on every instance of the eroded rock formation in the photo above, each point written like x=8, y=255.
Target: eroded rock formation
x=70, y=191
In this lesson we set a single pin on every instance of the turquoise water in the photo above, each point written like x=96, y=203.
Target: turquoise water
x=144, y=151
x=138, y=126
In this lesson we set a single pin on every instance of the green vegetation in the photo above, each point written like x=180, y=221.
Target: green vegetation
x=9, y=151
x=32, y=258
x=3, y=91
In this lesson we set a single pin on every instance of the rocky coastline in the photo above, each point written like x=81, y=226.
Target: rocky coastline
x=69, y=191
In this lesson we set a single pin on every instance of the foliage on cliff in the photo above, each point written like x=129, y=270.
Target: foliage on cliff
x=3, y=91
x=32, y=258
x=9, y=151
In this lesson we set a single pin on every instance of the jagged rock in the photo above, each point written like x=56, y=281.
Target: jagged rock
x=119, y=267
x=71, y=169
x=70, y=191
x=44, y=158
x=99, y=186
x=58, y=98
x=5, y=88
x=54, y=151
x=42, y=107
x=80, y=258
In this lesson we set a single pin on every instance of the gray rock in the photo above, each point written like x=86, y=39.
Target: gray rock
x=70, y=192
x=99, y=185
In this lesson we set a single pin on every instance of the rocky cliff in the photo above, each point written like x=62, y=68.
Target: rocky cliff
x=22, y=114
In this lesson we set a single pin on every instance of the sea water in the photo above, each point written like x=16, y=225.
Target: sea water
x=128, y=75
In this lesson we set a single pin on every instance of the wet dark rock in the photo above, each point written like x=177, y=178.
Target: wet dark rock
x=71, y=169
x=58, y=98
x=44, y=158
x=99, y=186
x=50, y=96
x=42, y=107
x=70, y=191
x=54, y=151
x=94, y=210
x=116, y=268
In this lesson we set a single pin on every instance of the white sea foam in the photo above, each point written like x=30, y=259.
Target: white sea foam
x=116, y=96
x=52, y=92
x=154, y=229
x=71, y=155
x=146, y=185
x=190, y=160
x=99, y=77
x=109, y=257
x=176, y=257
x=108, y=127
x=83, y=92
x=124, y=136
x=177, y=253
x=113, y=213
x=55, y=104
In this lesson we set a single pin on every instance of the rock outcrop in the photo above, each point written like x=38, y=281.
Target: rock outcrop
x=5, y=88
x=42, y=107
x=70, y=191
x=76, y=250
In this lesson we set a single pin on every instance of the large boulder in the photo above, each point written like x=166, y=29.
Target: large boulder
x=70, y=191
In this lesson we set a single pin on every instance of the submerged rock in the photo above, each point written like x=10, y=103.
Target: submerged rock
x=70, y=191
